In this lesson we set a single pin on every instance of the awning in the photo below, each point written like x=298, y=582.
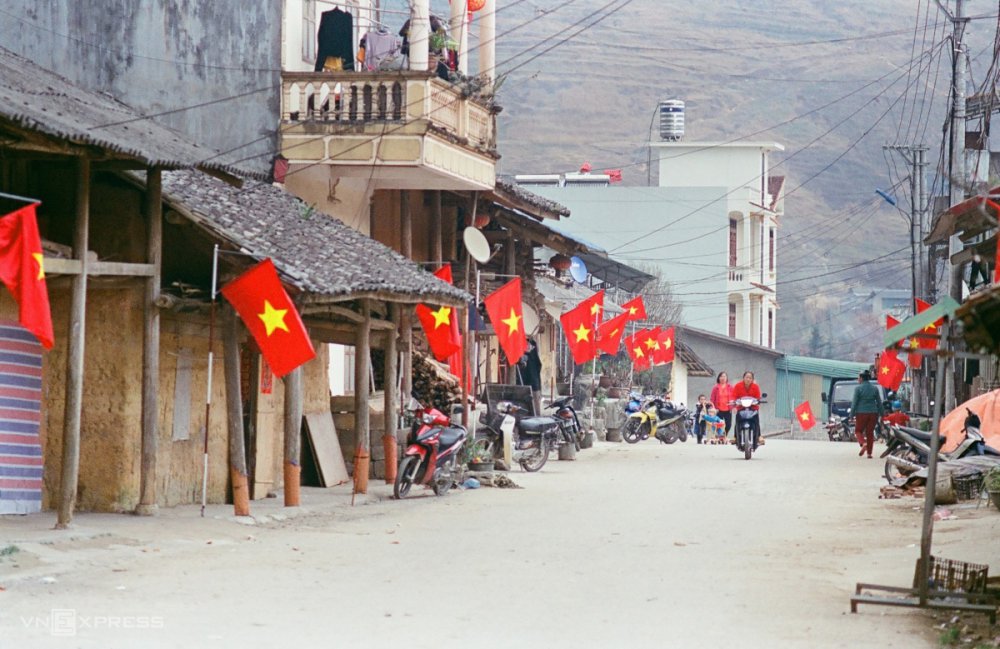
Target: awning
x=971, y=217
x=616, y=273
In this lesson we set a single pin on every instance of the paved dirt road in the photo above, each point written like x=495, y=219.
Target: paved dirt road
x=640, y=546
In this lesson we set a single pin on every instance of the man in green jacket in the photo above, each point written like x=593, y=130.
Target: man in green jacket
x=866, y=406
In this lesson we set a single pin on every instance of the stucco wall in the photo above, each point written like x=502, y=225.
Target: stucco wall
x=163, y=55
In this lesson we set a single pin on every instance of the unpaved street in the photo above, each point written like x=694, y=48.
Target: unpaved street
x=645, y=546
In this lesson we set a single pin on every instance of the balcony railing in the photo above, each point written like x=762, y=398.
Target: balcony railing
x=387, y=98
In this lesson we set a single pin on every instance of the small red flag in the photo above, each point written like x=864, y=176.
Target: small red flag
x=665, y=353
x=930, y=330
x=441, y=325
x=610, y=332
x=455, y=360
x=22, y=271
x=635, y=308
x=650, y=341
x=579, y=325
x=271, y=318
x=890, y=371
x=614, y=175
x=804, y=413
x=635, y=350
x=506, y=314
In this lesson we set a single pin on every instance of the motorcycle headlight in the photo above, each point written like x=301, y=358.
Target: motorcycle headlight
x=427, y=418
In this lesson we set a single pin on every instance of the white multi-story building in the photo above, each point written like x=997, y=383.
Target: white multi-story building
x=754, y=201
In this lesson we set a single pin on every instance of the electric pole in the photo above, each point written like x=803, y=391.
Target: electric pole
x=956, y=167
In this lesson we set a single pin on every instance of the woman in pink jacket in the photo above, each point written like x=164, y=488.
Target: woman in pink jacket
x=722, y=394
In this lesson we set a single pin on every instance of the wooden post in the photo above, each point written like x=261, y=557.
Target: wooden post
x=391, y=398
x=944, y=360
x=293, y=437
x=405, y=225
x=436, y=220
x=74, y=357
x=153, y=209
x=362, y=431
x=463, y=329
x=405, y=320
x=510, y=255
x=234, y=414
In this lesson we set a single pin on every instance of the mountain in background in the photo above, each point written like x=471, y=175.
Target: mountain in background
x=832, y=82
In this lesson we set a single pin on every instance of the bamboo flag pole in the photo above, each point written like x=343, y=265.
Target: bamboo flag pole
x=208, y=389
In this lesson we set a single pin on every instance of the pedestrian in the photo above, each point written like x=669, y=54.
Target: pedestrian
x=700, y=410
x=866, y=406
x=529, y=372
x=721, y=395
x=897, y=417
x=749, y=388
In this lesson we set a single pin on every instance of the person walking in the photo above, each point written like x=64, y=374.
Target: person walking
x=866, y=406
x=700, y=411
x=722, y=394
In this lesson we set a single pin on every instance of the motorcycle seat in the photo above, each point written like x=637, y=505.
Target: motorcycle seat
x=450, y=436
x=919, y=434
x=536, y=424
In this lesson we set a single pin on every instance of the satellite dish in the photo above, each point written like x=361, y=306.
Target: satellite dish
x=476, y=244
x=578, y=270
x=530, y=319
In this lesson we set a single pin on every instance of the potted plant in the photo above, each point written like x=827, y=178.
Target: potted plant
x=478, y=456
x=991, y=484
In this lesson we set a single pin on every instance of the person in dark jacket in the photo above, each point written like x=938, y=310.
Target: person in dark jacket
x=529, y=372
x=866, y=406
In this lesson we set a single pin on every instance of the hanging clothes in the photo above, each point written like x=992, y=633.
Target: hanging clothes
x=436, y=25
x=335, y=40
x=380, y=48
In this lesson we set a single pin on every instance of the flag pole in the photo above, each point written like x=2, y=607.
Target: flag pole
x=208, y=390
x=593, y=372
x=475, y=342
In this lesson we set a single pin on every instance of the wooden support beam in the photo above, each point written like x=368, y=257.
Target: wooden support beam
x=436, y=220
x=405, y=225
x=58, y=266
x=391, y=405
x=293, y=437
x=74, y=358
x=151, y=344
x=234, y=413
x=362, y=429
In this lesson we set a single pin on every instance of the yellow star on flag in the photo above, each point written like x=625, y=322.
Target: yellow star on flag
x=804, y=417
x=273, y=318
x=441, y=316
x=638, y=351
x=582, y=333
x=595, y=309
x=667, y=343
x=885, y=370
x=931, y=328
x=652, y=344
x=41, y=265
x=632, y=310
x=512, y=321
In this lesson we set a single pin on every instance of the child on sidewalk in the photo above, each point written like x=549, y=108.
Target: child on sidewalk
x=715, y=424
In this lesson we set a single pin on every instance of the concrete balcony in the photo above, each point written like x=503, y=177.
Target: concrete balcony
x=395, y=130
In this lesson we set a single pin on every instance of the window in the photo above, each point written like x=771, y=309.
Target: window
x=770, y=327
x=732, y=242
x=771, y=253
x=732, y=320
x=309, y=31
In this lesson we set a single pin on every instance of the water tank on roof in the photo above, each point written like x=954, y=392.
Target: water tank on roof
x=671, y=120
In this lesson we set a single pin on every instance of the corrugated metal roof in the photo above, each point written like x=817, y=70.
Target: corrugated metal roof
x=313, y=251
x=820, y=366
x=35, y=99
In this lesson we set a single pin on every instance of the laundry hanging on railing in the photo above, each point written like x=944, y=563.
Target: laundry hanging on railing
x=379, y=51
x=335, y=41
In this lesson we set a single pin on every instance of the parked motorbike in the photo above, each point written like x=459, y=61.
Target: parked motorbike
x=908, y=448
x=840, y=429
x=634, y=402
x=532, y=438
x=659, y=418
x=747, y=424
x=569, y=424
x=431, y=456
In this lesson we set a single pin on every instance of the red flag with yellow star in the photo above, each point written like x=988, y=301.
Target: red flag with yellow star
x=580, y=323
x=507, y=316
x=665, y=353
x=890, y=371
x=650, y=341
x=804, y=413
x=441, y=324
x=635, y=308
x=930, y=330
x=610, y=332
x=636, y=350
x=271, y=318
x=455, y=360
x=21, y=270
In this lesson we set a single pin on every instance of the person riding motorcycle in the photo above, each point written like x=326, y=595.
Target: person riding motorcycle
x=897, y=416
x=749, y=388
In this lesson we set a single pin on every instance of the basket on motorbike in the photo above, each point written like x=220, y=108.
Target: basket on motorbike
x=954, y=576
x=968, y=487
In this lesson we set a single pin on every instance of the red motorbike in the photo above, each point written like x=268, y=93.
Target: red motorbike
x=431, y=456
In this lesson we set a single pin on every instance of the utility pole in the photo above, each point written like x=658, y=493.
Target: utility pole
x=914, y=156
x=956, y=166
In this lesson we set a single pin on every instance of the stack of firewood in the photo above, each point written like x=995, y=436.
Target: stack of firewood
x=434, y=384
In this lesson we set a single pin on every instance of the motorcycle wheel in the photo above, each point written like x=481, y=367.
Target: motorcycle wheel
x=537, y=459
x=630, y=432
x=441, y=487
x=893, y=472
x=747, y=451
x=683, y=434
x=404, y=479
x=671, y=435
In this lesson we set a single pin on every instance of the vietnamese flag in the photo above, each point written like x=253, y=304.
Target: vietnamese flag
x=507, y=316
x=455, y=360
x=579, y=325
x=890, y=371
x=22, y=271
x=804, y=413
x=610, y=332
x=271, y=318
x=636, y=352
x=931, y=329
x=635, y=308
x=650, y=341
x=665, y=353
x=441, y=326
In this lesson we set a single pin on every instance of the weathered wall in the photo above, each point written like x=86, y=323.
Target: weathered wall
x=165, y=55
